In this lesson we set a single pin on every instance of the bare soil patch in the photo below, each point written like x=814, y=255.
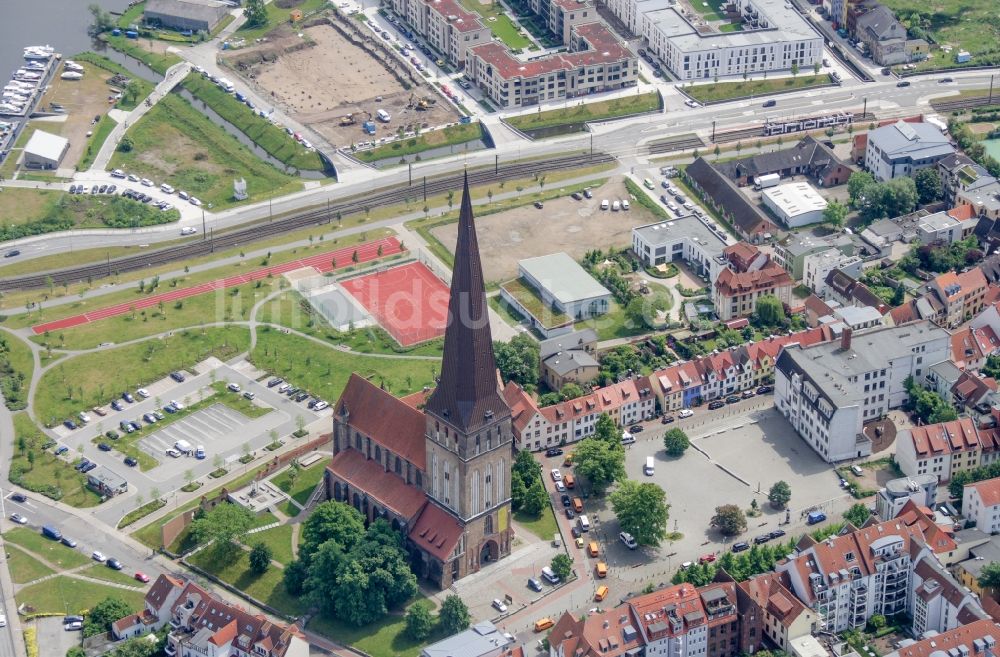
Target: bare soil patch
x=325, y=75
x=83, y=100
x=574, y=227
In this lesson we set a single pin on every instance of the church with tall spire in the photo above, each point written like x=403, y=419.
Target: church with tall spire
x=439, y=474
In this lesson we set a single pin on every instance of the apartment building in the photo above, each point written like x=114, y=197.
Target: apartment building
x=961, y=295
x=902, y=149
x=829, y=390
x=817, y=267
x=445, y=24
x=772, y=39
x=627, y=402
x=597, y=61
x=975, y=639
x=941, y=449
x=972, y=345
x=891, y=498
x=750, y=275
x=960, y=173
x=981, y=505
x=559, y=16
x=686, y=238
x=201, y=625
x=770, y=614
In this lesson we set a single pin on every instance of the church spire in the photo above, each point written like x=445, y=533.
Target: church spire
x=468, y=393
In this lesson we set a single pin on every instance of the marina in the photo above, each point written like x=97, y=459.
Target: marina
x=20, y=96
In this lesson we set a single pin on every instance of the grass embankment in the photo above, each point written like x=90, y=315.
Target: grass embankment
x=175, y=143
x=584, y=112
x=450, y=136
x=95, y=141
x=23, y=567
x=68, y=595
x=530, y=300
x=289, y=309
x=89, y=379
x=719, y=91
x=53, y=552
x=274, y=140
x=324, y=372
x=300, y=486
x=267, y=588
x=102, y=572
x=158, y=62
x=17, y=367
x=37, y=211
x=142, y=87
x=278, y=13
x=231, y=304
x=41, y=471
x=544, y=526
x=279, y=539
x=385, y=638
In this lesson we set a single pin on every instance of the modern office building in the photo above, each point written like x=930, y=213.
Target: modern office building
x=686, y=238
x=902, y=149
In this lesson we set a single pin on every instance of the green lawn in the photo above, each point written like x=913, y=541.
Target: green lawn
x=159, y=62
x=102, y=572
x=964, y=24
x=48, y=475
x=710, y=10
x=267, y=588
x=17, y=367
x=274, y=140
x=238, y=402
x=599, y=111
x=544, y=526
x=95, y=141
x=385, y=638
x=279, y=539
x=291, y=310
x=66, y=595
x=612, y=324
x=277, y=15
x=502, y=26
x=324, y=372
x=54, y=552
x=135, y=515
x=175, y=143
x=529, y=299
x=719, y=91
x=450, y=136
x=23, y=567
x=95, y=378
x=305, y=482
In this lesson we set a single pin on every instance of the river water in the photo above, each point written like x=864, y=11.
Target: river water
x=61, y=24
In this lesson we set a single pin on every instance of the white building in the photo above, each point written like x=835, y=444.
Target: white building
x=562, y=282
x=829, y=390
x=772, y=39
x=922, y=489
x=816, y=268
x=686, y=238
x=981, y=504
x=446, y=25
x=902, y=149
x=44, y=150
x=795, y=204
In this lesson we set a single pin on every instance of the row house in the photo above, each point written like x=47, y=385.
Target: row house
x=944, y=449
x=446, y=25
x=751, y=274
x=770, y=614
x=202, y=625
x=627, y=402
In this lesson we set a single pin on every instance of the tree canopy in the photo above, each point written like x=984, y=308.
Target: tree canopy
x=260, y=558
x=642, y=511
x=758, y=559
x=256, y=13
x=675, y=442
x=600, y=461
x=835, y=213
x=857, y=515
x=223, y=526
x=928, y=184
x=103, y=614
x=454, y=616
x=989, y=576
x=562, y=566
x=517, y=360
x=780, y=494
x=929, y=406
x=769, y=311
x=419, y=621
x=334, y=521
x=729, y=519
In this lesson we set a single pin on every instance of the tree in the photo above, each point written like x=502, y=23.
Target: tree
x=928, y=184
x=835, y=213
x=675, y=442
x=877, y=622
x=795, y=69
x=779, y=495
x=929, y=406
x=769, y=310
x=730, y=520
x=856, y=184
x=256, y=13
x=517, y=360
x=637, y=315
x=135, y=647
x=606, y=430
x=260, y=558
x=331, y=521
x=642, y=510
x=857, y=515
x=454, y=616
x=600, y=462
x=125, y=145
x=223, y=526
x=562, y=566
x=103, y=614
x=989, y=576
x=103, y=20
x=419, y=621
x=535, y=498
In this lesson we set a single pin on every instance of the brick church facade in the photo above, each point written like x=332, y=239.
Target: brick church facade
x=441, y=473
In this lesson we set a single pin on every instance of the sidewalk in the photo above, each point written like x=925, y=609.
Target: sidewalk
x=174, y=75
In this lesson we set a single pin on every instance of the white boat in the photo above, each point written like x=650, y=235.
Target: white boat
x=37, y=54
x=34, y=66
x=71, y=75
x=72, y=66
x=28, y=73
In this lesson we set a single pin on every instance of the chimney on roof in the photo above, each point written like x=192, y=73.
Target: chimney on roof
x=845, y=339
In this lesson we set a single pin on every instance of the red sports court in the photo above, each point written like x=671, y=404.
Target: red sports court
x=409, y=301
x=321, y=262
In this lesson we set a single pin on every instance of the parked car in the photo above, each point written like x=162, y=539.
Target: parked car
x=539, y=205
x=88, y=468
x=83, y=417
x=320, y=405
x=18, y=497
x=98, y=556
x=685, y=413
x=127, y=396
x=553, y=451
x=69, y=424
x=68, y=542
x=142, y=392
x=18, y=518
x=117, y=405
x=275, y=382
x=777, y=533
x=104, y=447
x=131, y=462
x=556, y=475
x=718, y=403
x=177, y=376
x=62, y=449
x=100, y=412
x=628, y=540
x=707, y=558
x=142, y=577
x=114, y=564
x=534, y=585
x=667, y=419
x=149, y=417
x=566, y=501
x=635, y=428
x=763, y=538
x=75, y=626
x=747, y=394
x=570, y=514
x=741, y=546
x=763, y=390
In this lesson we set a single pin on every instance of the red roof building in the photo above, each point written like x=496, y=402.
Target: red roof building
x=942, y=449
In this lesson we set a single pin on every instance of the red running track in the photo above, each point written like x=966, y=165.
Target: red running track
x=409, y=301
x=322, y=262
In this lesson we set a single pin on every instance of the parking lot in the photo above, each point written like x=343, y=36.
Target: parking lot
x=734, y=451
x=208, y=427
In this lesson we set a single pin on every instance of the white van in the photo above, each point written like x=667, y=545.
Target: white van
x=550, y=575
x=650, y=467
x=584, y=522
x=183, y=446
x=627, y=438
x=383, y=116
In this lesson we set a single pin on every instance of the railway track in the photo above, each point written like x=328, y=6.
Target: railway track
x=207, y=245
x=964, y=103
